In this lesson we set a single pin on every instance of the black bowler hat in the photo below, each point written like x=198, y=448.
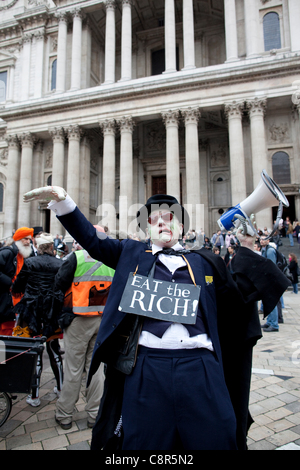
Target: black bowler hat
x=162, y=202
x=37, y=230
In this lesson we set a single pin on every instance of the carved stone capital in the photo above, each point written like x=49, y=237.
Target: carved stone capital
x=108, y=126
x=74, y=132
x=127, y=2
x=171, y=117
x=57, y=134
x=62, y=16
x=234, y=109
x=76, y=13
x=191, y=115
x=126, y=124
x=40, y=34
x=27, y=140
x=12, y=141
x=26, y=38
x=257, y=106
x=110, y=4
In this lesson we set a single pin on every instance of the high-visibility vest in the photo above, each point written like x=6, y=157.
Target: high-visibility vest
x=90, y=287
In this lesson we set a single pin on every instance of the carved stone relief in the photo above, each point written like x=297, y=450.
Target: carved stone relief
x=279, y=132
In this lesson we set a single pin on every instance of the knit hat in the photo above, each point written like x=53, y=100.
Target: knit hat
x=22, y=232
x=44, y=239
x=163, y=201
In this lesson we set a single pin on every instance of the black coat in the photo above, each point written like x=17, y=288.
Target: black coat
x=294, y=271
x=229, y=308
x=8, y=266
x=36, y=280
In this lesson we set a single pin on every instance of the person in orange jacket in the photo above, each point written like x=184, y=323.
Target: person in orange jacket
x=81, y=288
x=11, y=262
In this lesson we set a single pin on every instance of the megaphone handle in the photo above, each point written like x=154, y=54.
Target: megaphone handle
x=277, y=222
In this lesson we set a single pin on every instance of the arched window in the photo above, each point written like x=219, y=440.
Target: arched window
x=49, y=180
x=281, y=168
x=53, y=75
x=272, y=31
x=1, y=196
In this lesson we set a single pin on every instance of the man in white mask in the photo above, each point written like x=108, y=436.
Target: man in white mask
x=169, y=366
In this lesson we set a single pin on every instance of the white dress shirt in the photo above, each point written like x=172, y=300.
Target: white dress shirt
x=176, y=336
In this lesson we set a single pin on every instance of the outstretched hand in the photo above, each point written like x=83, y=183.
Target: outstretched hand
x=48, y=193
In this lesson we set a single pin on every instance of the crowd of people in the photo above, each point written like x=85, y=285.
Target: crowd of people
x=47, y=290
x=38, y=296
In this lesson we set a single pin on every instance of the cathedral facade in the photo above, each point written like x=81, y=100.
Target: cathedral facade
x=116, y=100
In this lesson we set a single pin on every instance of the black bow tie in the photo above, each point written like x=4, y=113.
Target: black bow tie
x=170, y=251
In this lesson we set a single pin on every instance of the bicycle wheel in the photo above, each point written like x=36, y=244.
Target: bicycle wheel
x=5, y=407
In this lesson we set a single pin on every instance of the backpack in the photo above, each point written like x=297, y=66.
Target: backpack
x=281, y=261
x=282, y=264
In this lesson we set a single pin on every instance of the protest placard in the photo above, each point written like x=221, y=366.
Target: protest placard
x=161, y=300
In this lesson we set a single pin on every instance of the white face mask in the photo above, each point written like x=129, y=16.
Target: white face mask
x=164, y=228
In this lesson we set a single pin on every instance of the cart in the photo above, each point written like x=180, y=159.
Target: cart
x=18, y=360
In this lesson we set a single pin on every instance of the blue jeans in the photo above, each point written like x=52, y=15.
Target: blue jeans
x=295, y=288
x=291, y=239
x=272, y=319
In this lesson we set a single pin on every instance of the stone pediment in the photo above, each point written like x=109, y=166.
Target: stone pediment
x=7, y=58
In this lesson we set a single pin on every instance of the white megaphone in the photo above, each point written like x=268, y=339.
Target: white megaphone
x=267, y=194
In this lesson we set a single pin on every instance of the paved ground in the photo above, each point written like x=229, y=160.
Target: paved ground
x=275, y=399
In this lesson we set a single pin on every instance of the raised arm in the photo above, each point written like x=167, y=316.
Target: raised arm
x=98, y=244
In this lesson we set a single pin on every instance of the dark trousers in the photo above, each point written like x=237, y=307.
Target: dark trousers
x=177, y=400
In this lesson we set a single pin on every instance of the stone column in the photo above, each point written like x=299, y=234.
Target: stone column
x=73, y=174
x=252, y=25
x=257, y=108
x=109, y=171
x=234, y=113
x=26, y=59
x=171, y=120
x=12, y=189
x=188, y=35
x=170, y=36
x=76, y=49
x=231, y=31
x=37, y=181
x=27, y=143
x=192, y=165
x=126, y=51
x=110, y=42
x=61, y=53
x=84, y=181
x=294, y=16
x=58, y=137
x=39, y=63
x=126, y=171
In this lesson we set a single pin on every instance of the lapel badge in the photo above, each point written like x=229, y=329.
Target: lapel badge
x=209, y=280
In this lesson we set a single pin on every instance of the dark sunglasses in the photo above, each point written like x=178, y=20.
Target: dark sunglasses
x=167, y=217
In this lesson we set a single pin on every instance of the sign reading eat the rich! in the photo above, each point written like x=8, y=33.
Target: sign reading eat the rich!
x=162, y=300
